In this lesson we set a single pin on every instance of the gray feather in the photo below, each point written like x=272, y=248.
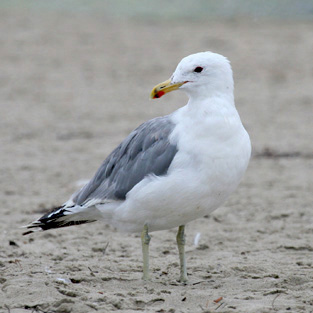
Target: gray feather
x=145, y=151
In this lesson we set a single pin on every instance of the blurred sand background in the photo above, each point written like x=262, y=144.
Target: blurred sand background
x=75, y=78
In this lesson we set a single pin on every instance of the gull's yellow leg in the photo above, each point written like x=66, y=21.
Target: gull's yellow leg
x=180, y=238
x=145, y=240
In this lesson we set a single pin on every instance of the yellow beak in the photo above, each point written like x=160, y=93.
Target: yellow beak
x=161, y=89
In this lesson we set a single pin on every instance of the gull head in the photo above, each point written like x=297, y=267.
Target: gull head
x=204, y=74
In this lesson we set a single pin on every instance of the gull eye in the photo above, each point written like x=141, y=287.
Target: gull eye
x=198, y=69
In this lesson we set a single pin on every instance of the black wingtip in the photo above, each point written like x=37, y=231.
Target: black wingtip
x=27, y=232
x=56, y=218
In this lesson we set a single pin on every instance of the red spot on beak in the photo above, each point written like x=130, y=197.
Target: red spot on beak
x=160, y=94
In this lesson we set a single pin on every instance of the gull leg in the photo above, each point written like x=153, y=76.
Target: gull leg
x=145, y=240
x=180, y=238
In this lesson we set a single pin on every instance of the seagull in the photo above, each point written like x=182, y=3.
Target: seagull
x=172, y=169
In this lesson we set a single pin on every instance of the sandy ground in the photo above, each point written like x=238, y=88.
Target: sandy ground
x=72, y=85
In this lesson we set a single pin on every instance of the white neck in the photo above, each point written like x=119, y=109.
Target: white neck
x=217, y=103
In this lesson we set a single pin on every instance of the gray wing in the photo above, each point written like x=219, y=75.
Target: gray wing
x=145, y=151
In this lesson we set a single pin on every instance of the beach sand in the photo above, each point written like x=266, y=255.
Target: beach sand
x=72, y=86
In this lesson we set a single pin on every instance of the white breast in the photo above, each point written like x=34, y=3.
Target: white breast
x=213, y=154
x=215, y=150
